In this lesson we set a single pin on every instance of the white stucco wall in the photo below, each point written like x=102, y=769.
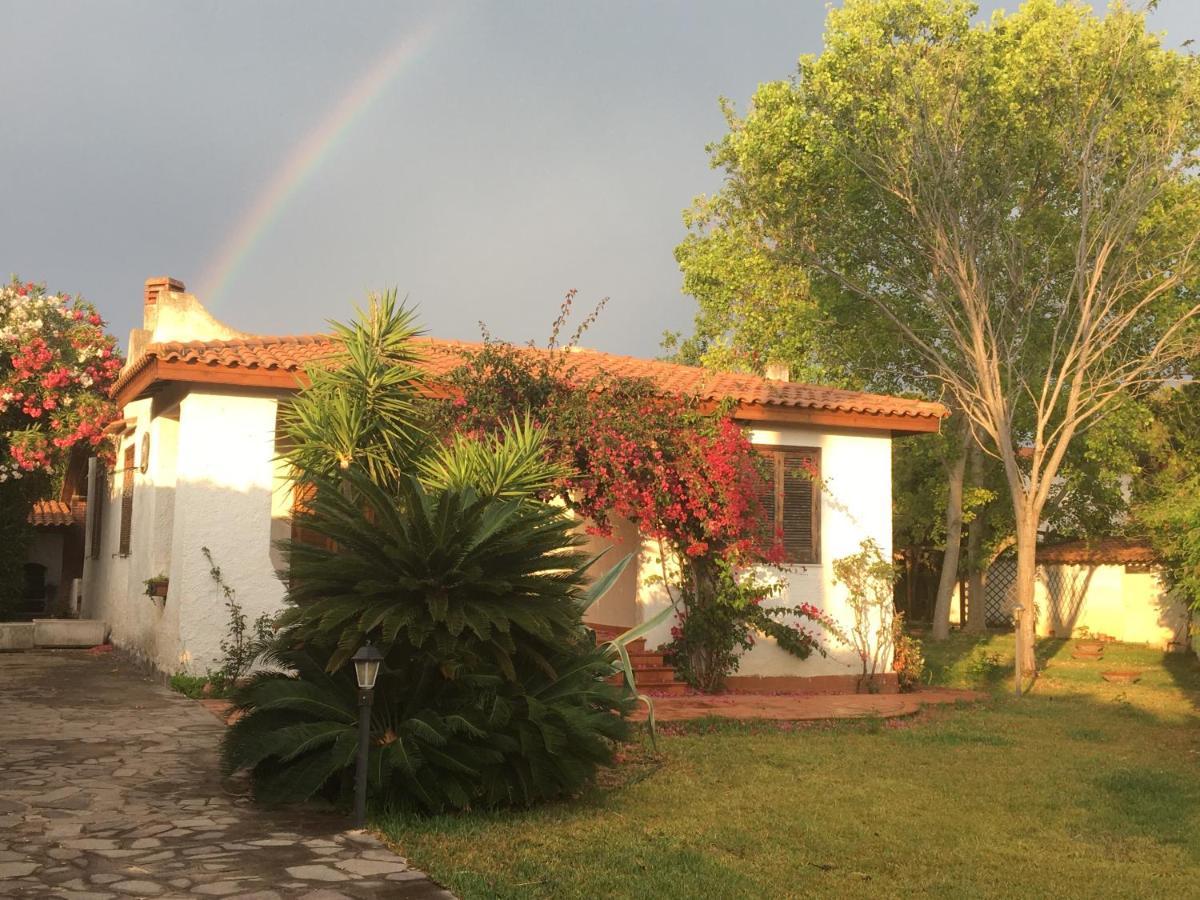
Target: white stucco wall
x=210, y=481
x=856, y=468
x=225, y=480
x=113, y=585
x=1131, y=605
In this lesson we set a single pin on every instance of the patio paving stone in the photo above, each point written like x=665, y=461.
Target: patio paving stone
x=110, y=788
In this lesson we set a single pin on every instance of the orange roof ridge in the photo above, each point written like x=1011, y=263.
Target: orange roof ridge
x=285, y=355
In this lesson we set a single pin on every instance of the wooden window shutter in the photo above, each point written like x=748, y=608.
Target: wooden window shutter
x=801, y=505
x=765, y=494
x=127, y=501
x=101, y=498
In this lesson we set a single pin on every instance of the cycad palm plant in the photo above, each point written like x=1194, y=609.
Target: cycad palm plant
x=492, y=692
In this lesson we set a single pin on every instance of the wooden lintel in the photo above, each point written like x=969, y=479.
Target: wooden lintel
x=756, y=414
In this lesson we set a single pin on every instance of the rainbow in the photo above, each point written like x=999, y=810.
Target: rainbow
x=308, y=156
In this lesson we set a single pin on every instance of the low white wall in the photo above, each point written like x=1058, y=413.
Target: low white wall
x=856, y=468
x=1131, y=605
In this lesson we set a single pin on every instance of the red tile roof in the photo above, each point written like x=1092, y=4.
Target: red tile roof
x=1099, y=552
x=287, y=356
x=50, y=513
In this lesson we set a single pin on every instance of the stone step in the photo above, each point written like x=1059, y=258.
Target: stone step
x=653, y=675
x=605, y=633
x=643, y=660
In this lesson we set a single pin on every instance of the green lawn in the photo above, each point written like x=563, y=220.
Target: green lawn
x=1080, y=789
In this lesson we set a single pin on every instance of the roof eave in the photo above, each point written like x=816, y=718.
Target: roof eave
x=156, y=371
x=895, y=423
x=149, y=370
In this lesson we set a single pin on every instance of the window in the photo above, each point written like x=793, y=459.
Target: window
x=127, y=500
x=791, y=500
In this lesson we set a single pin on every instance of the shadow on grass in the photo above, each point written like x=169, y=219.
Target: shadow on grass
x=1046, y=648
x=963, y=660
x=1153, y=802
x=1184, y=669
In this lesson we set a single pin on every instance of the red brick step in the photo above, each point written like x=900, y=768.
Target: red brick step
x=651, y=674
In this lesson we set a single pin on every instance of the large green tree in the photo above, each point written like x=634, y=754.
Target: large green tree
x=1015, y=198
x=1167, y=504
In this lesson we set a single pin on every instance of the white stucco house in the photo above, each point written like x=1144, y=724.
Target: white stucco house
x=197, y=466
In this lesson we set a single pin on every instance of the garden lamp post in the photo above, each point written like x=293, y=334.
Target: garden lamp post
x=1017, y=610
x=366, y=670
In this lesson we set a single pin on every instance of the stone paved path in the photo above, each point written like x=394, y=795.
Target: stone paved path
x=110, y=789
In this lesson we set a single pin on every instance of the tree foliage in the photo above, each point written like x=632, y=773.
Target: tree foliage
x=1015, y=198
x=56, y=365
x=1167, y=498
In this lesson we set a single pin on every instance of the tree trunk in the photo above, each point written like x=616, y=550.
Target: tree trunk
x=954, y=496
x=976, y=564
x=706, y=657
x=1026, y=528
x=910, y=587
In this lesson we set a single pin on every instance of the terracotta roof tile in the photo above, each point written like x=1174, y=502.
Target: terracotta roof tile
x=293, y=353
x=50, y=513
x=1099, y=552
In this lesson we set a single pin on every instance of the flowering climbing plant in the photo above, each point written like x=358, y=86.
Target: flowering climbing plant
x=56, y=365
x=686, y=476
x=682, y=471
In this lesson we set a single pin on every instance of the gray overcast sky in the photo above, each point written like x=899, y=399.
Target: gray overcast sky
x=518, y=150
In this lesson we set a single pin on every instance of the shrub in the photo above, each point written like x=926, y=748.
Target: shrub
x=908, y=660
x=711, y=634
x=491, y=691
x=477, y=740
x=188, y=685
x=683, y=473
x=869, y=580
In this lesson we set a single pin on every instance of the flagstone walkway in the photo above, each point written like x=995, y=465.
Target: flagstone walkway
x=110, y=789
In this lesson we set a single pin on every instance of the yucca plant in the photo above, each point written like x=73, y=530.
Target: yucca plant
x=360, y=406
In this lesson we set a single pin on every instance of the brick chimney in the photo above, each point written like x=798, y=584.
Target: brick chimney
x=158, y=284
x=778, y=371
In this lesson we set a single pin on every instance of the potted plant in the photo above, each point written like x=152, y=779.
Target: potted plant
x=157, y=586
x=1087, y=643
x=1121, y=676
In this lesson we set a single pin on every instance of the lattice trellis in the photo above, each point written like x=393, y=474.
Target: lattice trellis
x=1066, y=590
x=1000, y=592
